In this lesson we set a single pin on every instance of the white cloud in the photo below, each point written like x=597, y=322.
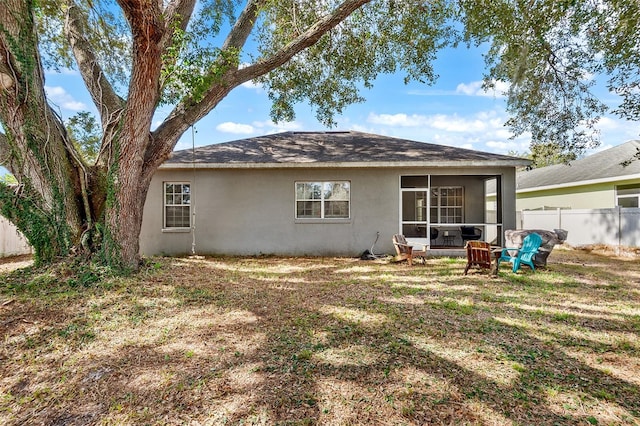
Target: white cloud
x=62, y=71
x=469, y=89
x=252, y=85
x=236, y=128
x=503, y=133
x=451, y=123
x=483, y=130
x=59, y=96
x=457, y=124
x=607, y=123
x=475, y=89
x=587, y=76
x=614, y=130
x=263, y=127
x=271, y=127
x=503, y=145
x=397, y=120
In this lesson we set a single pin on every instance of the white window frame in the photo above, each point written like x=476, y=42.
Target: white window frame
x=165, y=205
x=441, y=216
x=629, y=191
x=324, y=186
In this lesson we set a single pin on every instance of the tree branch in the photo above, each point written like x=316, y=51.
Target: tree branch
x=304, y=40
x=244, y=25
x=177, y=12
x=184, y=114
x=104, y=96
x=235, y=40
x=165, y=137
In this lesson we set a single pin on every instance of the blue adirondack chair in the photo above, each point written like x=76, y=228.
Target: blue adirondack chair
x=524, y=255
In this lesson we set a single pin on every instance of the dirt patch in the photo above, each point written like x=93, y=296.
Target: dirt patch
x=12, y=263
x=613, y=251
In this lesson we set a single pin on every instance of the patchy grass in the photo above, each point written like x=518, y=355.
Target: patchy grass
x=323, y=341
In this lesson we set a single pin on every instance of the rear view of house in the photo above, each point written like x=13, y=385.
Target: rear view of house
x=324, y=193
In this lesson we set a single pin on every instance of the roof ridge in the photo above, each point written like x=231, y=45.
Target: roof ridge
x=334, y=147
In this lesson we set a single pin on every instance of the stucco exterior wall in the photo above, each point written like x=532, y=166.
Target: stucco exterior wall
x=599, y=196
x=251, y=211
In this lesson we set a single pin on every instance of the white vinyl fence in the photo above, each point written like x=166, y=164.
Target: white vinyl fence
x=614, y=227
x=12, y=242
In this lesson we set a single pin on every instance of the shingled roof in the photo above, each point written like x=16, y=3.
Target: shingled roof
x=601, y=166
x=332, y=149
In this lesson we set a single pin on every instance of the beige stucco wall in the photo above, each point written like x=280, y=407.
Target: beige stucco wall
x=599, y=196
x=251, y=211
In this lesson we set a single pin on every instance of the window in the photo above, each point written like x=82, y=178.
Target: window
x=447, y=204
x=322, y=200
x=628, y=195
x=177, y=205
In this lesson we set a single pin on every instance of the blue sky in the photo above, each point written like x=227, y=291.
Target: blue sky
x=455, y=111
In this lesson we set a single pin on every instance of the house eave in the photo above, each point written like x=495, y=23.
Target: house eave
x=345, y=164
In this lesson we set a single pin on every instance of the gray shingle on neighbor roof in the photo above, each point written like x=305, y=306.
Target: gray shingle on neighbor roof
x=601, y=165
x=330, y=147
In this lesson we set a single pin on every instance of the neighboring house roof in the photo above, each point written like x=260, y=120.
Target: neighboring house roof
x=603, y=166
x=332, y=149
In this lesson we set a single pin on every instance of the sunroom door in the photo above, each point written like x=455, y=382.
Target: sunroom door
x=415, y=208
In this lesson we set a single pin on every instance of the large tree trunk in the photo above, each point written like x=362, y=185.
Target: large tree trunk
x=62, y=204
x=47, y=207
x=131, y=182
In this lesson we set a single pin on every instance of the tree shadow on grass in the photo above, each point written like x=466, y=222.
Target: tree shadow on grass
x=232, y=344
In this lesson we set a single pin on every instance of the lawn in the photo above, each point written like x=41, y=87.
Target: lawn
x=330, y=341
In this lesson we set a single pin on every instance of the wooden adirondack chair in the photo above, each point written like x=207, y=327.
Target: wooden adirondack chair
x=478, y=254
x=405, y=250
x=524, y=255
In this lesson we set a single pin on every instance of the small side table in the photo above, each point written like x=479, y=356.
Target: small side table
x=448, y=238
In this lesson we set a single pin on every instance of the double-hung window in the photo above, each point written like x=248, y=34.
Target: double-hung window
x=177, y=205
x=447, y=204
x=323, y=200
x=628, y=195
